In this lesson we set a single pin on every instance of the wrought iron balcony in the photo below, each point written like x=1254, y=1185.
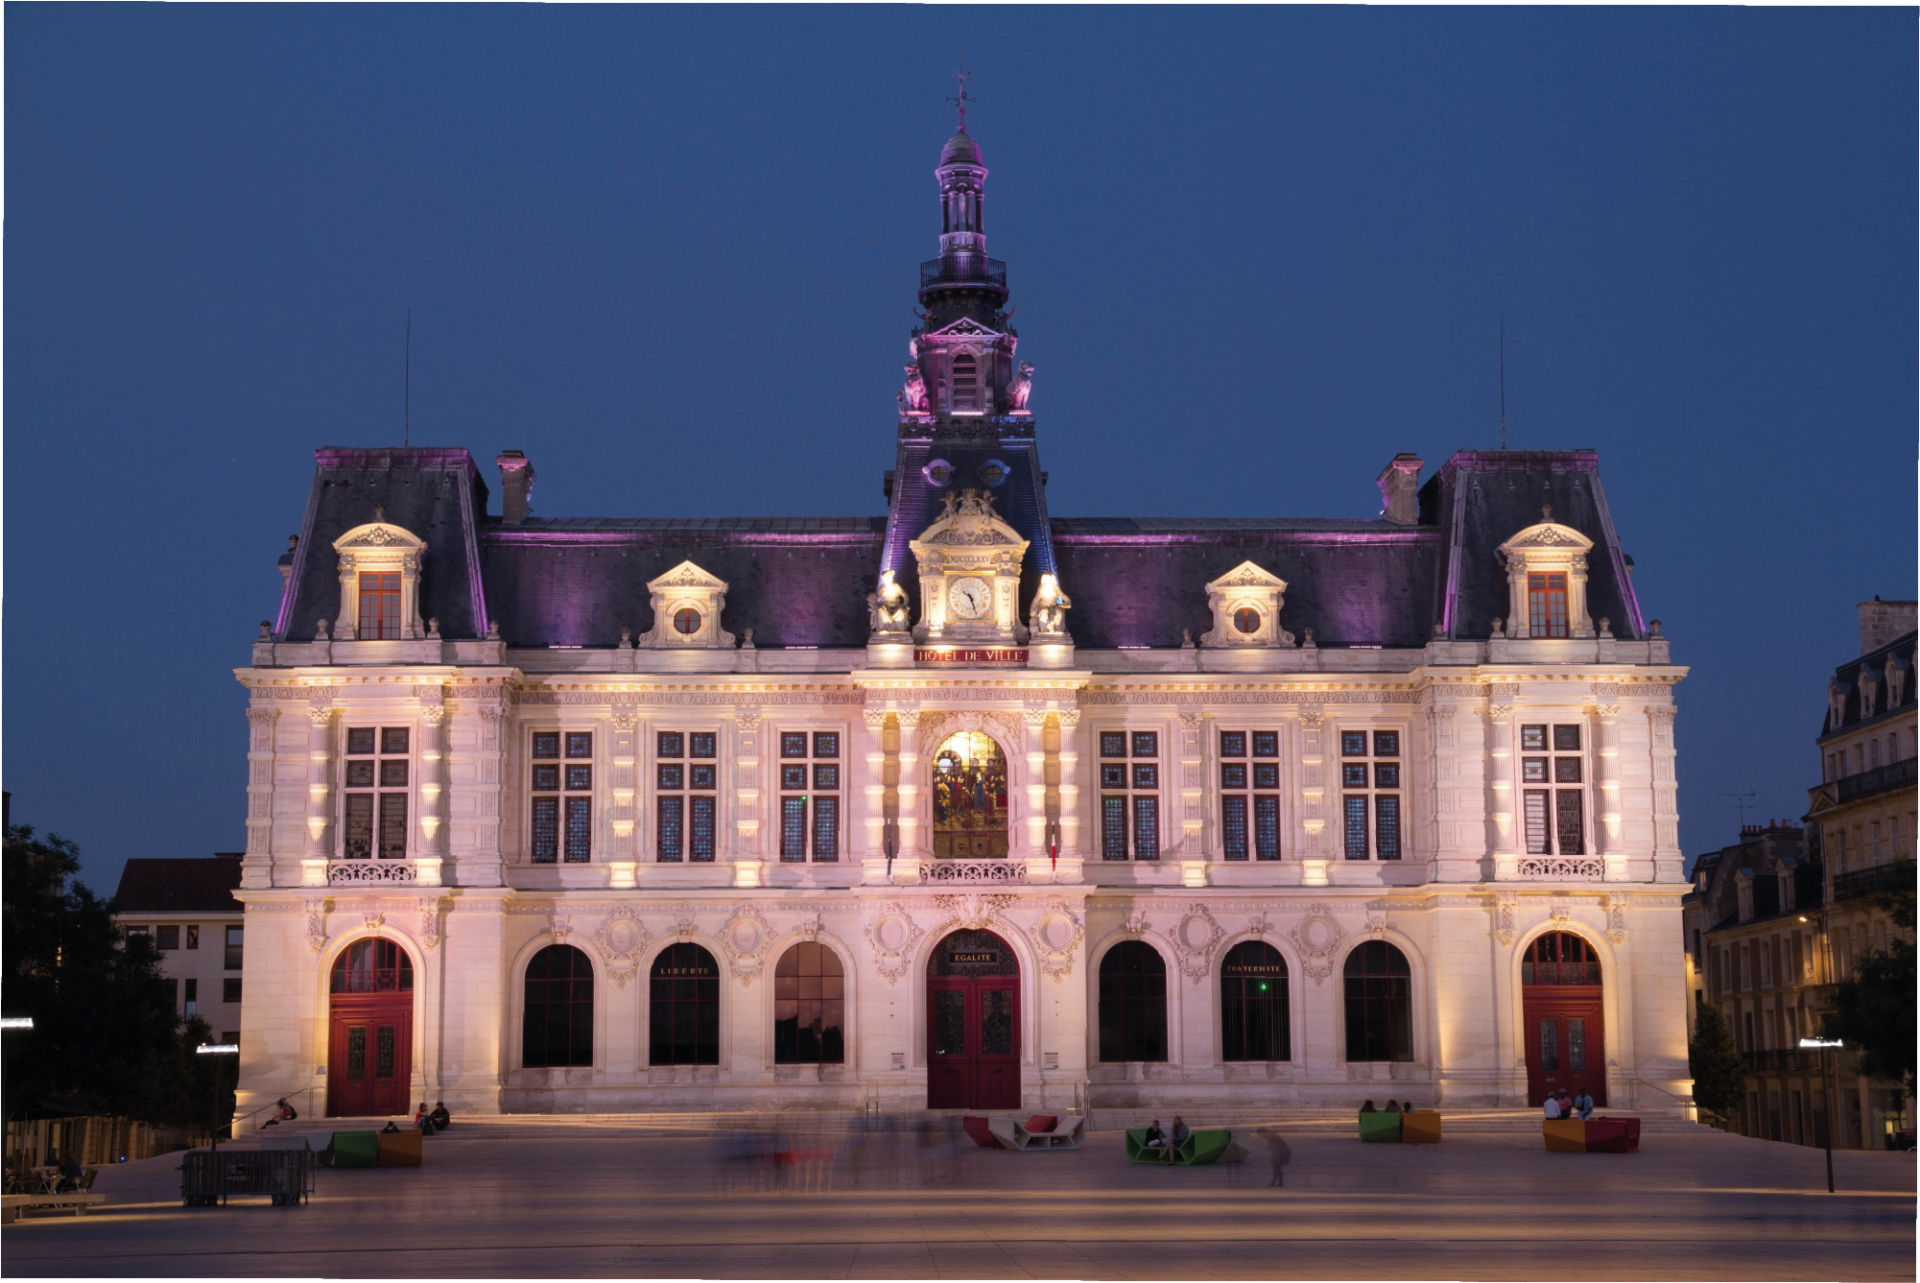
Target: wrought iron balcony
x=1864, y=882
x=959, y=273
x=1881, y=779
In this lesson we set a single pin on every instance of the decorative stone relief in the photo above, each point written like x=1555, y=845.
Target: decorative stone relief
x=683, y=925
x=1503, y=914
x=1058, y=935
x=316, y=925
x=745, y=940
x=620, y=940
x=1245, y=604
x=892, y=936
x=1317, y=937
x=809, y=926
x=972, y=912
x=1558, y=914
x=560, y=928
x=1260, y=925
x=1194, y=939
x=429, y=923
x=375, y=920
x=687, y=604
x=1311, y=718
x=1617, y=921
x=1006, y=728
x=1377, y=918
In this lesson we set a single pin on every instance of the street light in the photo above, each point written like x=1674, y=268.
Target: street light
x=215, y=1049
x=1823, y=1045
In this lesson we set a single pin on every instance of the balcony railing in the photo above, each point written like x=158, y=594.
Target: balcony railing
x=963, y=271
x=973, y=871
x=1563, y=868
x=360, y=872
x=1881, y=779
x=1864, y=882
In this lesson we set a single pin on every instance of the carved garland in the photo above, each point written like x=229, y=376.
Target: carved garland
x=746, y=939
x=620, y=939
x=892, y=936
x=1318, y=938
x=1194, y=940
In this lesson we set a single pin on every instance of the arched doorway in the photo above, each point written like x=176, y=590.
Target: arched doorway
x=1560, y=993
x=969, y=798
x=973, y=1023
x=370, y=1030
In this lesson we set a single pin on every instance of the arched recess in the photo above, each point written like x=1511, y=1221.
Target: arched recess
x=973, y=1022
x=683, y=1005
x=970, y=791
x=557, y=1009
x=1563, y=1013
x=1131, y=1004
x=1377, y=1003
x=370, y=1028
x=811, y=1004
x=1256, y=1003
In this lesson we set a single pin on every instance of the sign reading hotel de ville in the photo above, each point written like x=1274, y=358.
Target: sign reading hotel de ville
x=970, y=655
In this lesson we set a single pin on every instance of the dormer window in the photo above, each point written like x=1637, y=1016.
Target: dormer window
x=379, y=582
x=1547, y=604
x=966, y=384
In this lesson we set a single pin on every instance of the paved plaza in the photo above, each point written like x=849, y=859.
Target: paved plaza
x=651, y=1197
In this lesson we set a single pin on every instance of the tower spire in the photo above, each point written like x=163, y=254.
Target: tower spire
x=960, y=97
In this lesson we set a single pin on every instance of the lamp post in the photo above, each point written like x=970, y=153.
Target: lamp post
x=1823, y=1045
x=216, y=1049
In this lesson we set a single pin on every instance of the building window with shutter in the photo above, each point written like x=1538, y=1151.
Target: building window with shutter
x=1129, y=795
x=1250, y=794
x=561, y=799
x=810, y=789
x=374, y=800
x=1370, y=794
x=1552, y=777
x=687, y=792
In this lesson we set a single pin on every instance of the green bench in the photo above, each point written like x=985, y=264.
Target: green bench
x=1202, y=1146
x=1380, y=1126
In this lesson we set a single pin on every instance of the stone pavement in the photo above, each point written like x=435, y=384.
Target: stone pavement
x=659, y=1197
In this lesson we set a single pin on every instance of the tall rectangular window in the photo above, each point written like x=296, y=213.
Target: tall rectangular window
x=1552, y=773
x=561, y=801
x=230, y=989
x=1130, y=795
x=1250, y=794
x=193, y=936
x=1370, y=794
x=1547, y=604
x=190, y=1000
x=810, y=789
x=379, y=605
x=236, y=937
x=375, y=797
x=166, y=937
x=687, y=780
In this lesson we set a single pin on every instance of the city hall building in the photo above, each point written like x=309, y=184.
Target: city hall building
x=963, y=804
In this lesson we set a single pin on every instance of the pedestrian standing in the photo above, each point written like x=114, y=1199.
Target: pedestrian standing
x=1279, y=1153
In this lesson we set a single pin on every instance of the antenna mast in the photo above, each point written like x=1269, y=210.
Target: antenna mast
x=1503, y=380
x=1741, y=801
x=406, y=394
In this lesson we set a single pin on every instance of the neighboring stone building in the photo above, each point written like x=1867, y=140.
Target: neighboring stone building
x=1864, y=810
x=188, y=909
x=963, y=804
x=1754, y=950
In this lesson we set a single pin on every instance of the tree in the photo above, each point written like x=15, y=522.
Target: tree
x=1719, y=1071
x=105, y=1035
x=1873, y=1010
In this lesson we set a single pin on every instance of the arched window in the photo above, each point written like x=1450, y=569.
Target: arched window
x=1560, y=958
x=809, y=1007
x=1379, y=1003
x=969, y=798
x=557, y=1028
x=372, y=966
x=1133, y=1003
x=1253, y=1004
x=685, y=1028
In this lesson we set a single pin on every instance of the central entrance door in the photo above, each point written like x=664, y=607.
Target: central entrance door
x=1560, y=993
x=973, y=1023
x=370, y=1035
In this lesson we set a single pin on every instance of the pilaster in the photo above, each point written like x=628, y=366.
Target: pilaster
x=320, y=772
x=256, y=867
x=1503, y=841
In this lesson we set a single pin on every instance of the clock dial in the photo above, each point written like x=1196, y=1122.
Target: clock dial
x=970, y=598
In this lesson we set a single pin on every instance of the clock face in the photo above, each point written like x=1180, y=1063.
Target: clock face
x=969, y=598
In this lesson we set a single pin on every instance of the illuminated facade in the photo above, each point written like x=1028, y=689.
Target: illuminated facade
x=963, y=804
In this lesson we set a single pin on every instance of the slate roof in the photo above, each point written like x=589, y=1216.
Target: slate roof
x=1899, y=653
x=803, y=581
x=205, y=885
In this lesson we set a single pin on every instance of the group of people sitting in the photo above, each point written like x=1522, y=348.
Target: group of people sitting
x=427, y=1120
x=1562, y=1105
x=1165, y=1143
x=1393, y=1107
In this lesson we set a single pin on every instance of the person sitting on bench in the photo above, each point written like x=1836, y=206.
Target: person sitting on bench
x=1156, y=1139
x=1179, y=1137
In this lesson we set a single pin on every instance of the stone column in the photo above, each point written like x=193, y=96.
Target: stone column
x=1605, y=720
x=432, y=786
x=1667, y=859
x=622, y=863
x=313, y=871
x=1503, y=837
x=1034, y=721
x=1193, y=794
x=1071, y=855
x=913, y=843
x=1317, y=847
x=873, y=784
x=748, y=857
x=256, y=869
x=483, y=864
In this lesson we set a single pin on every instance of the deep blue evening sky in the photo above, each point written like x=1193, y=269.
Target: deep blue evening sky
x=671, y=254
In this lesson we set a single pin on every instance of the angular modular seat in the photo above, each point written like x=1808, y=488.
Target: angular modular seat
x=1420, y=1127
x=1380, y=1126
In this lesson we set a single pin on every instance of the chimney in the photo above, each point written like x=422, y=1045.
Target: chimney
x=1399, y=484
x=516, y=486
x=286, y=558
x=1882, y=621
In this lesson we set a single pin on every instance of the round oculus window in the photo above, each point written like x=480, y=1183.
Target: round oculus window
x=686, y=621
x=1247, y=619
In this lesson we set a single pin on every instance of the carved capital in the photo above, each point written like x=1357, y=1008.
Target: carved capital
x=320, y=714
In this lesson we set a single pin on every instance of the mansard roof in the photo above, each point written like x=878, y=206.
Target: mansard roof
x=1898, y=654
x=802, y=581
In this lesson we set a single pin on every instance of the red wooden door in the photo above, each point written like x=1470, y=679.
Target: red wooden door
x=973, y=1047
x=370, y=1055
x=1565, y=1047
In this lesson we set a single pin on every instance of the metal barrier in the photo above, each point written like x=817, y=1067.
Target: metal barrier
x=209, y=1177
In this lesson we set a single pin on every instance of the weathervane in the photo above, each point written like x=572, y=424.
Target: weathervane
x=960, y=99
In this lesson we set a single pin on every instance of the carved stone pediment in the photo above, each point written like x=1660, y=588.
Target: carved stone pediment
x=965, y=327
x=1245, y=604
x=687, y=602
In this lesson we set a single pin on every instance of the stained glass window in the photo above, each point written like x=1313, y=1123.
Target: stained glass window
x=1370, y=780
x=1553, y=819
x=374, y=796
x=1250, y=787
x=561, y=789
x=810, y=795
x=686, y=796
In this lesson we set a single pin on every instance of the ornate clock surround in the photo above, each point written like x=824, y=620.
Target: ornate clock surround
x=969, y=546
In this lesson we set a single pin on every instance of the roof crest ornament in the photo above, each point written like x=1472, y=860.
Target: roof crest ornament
x=960, y=98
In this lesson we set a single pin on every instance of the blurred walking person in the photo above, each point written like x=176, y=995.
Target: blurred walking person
x=1279, y=1153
